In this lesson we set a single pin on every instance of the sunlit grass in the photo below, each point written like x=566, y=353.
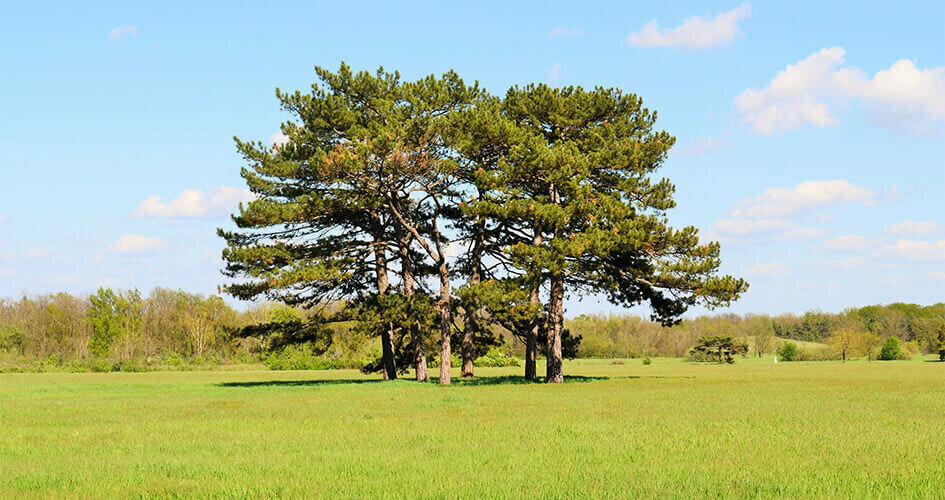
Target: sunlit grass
x=668, y=429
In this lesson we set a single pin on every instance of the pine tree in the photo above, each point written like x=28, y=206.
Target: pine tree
x=575, y=178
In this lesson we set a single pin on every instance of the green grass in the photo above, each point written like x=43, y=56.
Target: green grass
x=669, y=429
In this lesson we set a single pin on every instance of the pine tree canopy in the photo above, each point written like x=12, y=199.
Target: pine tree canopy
x=547, y=191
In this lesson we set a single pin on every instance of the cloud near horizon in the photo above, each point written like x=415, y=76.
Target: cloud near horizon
x=195, y=203
x=695, y=32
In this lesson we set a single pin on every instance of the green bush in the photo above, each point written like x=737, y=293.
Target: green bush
x=496, y=358
x=302, y=357
x=647, y=360
x=892, y=350
x=788, y=351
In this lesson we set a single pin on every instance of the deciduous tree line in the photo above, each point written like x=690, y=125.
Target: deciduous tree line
x=436, y=210
x=171, y=326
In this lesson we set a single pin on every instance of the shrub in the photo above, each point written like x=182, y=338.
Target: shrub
x=496, y=358
x=891, y=350
x=647, y=360
x=788, y=351
x=302, y=357
x=716, y=348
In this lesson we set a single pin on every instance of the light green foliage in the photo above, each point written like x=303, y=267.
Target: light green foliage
x=496, y=358
x=114, y=317
x=671, y=429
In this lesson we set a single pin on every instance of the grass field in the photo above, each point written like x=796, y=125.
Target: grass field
x=668, y=429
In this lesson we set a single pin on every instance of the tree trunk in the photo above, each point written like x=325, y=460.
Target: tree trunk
x=419, y=357
x=553, y=373
x=531, y=337
x=387, y=344
x=471, y=326
x=531, y=341
x=445, y=325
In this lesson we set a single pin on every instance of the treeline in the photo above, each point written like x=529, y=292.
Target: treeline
x=853, y=332
x=173, y=329
x=436, y=210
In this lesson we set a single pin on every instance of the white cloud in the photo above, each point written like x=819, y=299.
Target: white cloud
x=278, y=139
x=768, y=270
x=803, y=233
x=748, y=227
x=850, y=242
x=938, y=275
x=565, y=32
x=194, y=203
x=553, y=74
x=914, y=228
x=902, y=98
x=850, y=263
x=133, y=243
x=116, y=33
x=695, y=32
x=701, y=146
x=768, y=229
x=803, y=197
x=913, y=250
x=6, y=272
x=36, y=253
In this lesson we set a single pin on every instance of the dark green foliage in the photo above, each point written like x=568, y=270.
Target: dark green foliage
x=647, y=360
x=890, y=350
x=788, y=351
x=717, y=348
x=12, y=339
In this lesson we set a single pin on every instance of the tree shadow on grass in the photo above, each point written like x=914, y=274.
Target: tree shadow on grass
x=294, y=383
x=461, y=382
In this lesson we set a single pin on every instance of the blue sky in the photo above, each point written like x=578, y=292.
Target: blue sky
x=809, y=135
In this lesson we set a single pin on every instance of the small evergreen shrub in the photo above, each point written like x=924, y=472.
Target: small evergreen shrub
x=647, y=360
x=788, y=351
x=890, y=350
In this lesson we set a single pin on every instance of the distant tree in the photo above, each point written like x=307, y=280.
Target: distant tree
x=788, y=351
x=870, y=342
x=846, y=340
x=113, y=316
x=722, y=348
x=890, y=350
x=762, y=329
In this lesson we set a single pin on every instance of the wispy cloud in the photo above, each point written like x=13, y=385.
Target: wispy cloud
x=914, y=228
x=913, y=250
x=768, y=270
x=695, y=32
x=133, y=243
x=195, y=203
x=851, y=242
x=553, y=74
x=803, y=197
x=701, y=146
x=122, y=31
x=565, y=32
x=36, y=253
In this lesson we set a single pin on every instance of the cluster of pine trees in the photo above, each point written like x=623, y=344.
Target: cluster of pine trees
x=433, y=209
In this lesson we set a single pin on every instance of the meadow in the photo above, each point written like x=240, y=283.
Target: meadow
x=672, y=428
